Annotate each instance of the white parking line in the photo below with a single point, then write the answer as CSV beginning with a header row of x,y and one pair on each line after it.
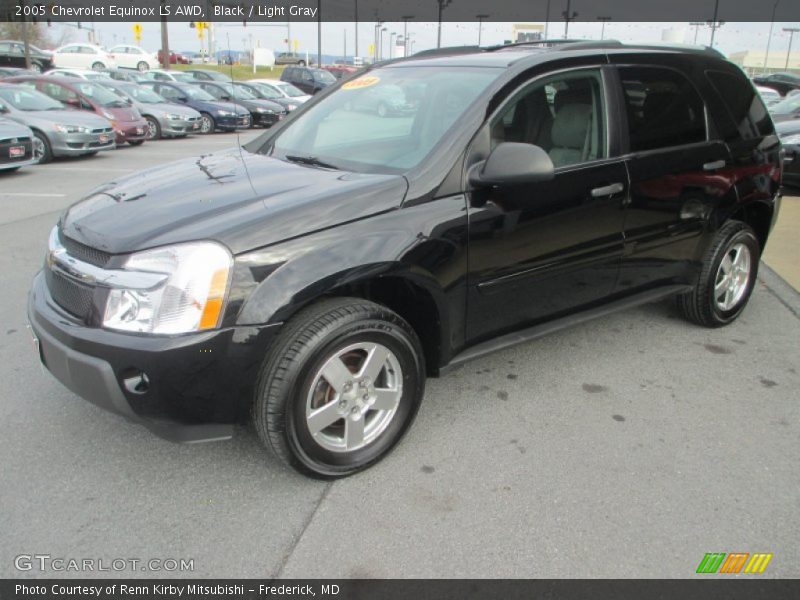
x,y
32,194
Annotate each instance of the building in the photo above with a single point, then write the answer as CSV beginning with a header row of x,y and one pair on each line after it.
x,y
752,61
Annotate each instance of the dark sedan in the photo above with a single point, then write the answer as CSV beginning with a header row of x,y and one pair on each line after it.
x,y
783,83
12,54
214,114
207,75
263,113
265,92
787,109
789,134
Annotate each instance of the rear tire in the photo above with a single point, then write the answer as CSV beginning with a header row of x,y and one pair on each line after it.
x,y
136,142
142,67
340,387
98,66
727,277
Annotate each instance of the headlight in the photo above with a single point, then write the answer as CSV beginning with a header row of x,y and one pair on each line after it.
x,y
793,139
70,128
225,113
108,115
189,299
291,106
264,111
171,116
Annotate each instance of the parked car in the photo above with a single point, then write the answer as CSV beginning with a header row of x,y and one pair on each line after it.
x,y
175,58
86,74
16,144
57,130
124,75
292,58
214,114
340,71
313,278
263,113
384,101
768,95
83,56
134,57
265,92
12,54
164,119
789,133
781,82
6,72
787,109
128,124
207,75
287,90
310,80
161,75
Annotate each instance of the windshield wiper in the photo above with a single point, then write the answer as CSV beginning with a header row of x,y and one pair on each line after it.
x,y
310,160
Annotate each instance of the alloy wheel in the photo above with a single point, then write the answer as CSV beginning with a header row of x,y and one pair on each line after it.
x,y
733,277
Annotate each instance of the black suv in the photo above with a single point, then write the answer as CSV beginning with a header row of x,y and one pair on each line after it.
x,y
308,79
311,280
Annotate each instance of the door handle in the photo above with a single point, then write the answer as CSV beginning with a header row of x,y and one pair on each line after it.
x,y
714,165
607,190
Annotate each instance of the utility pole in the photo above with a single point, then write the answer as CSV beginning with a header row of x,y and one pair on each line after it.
x,y
344,54
356,17
391,45
442,5
319,33
697,27
715,24
25,42
769,37
791,31
164,40
406,19
480,25
603,20
380,41
568,17
547,19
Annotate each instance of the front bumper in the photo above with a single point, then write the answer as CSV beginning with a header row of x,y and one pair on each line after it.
x,y
77,144
198,385
179,126
130,131
265,119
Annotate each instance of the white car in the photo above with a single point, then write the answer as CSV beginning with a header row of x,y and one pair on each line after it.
x,y
768,95
134,57
286,89
87,74
162,75
83,56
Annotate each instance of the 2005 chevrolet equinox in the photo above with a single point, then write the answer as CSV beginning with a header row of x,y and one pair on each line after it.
x,y
311,280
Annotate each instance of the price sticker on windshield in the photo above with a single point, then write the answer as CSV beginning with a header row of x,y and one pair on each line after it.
x,y
361,82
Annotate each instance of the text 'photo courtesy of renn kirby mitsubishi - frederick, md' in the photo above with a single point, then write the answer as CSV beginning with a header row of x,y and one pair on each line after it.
x,y
473,300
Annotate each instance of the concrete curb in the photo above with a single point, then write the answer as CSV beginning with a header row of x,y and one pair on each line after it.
x,y
780,288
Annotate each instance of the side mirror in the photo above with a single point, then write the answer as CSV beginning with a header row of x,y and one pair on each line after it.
x,y
3,108
512,163
225,97
183,99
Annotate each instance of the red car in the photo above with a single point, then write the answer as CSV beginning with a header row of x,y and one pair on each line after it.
x,y
340,71
174,58
129,125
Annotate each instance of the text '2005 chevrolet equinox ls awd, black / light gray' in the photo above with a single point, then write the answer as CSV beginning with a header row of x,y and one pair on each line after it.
x,y
311,280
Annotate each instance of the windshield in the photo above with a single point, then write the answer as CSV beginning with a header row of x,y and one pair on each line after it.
x,y
195,93
267,91
143,94
323,76
100,94
23,99
387,120
290,90
787,105
237,91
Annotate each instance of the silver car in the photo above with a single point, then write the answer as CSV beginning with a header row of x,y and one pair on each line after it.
x,y
16,145
57,131
163,119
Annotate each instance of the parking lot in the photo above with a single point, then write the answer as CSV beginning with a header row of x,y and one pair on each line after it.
x,y
626,447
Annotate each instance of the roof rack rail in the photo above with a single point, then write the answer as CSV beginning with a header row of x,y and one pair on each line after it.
x,y
449,50
533,44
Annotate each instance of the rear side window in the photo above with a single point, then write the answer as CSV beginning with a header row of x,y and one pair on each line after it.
x,y
744,105
664,109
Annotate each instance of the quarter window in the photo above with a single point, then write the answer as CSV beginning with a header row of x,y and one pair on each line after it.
x,y
744,105
664,109
562,114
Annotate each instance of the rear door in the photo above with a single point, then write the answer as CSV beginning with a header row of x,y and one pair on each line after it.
x,y
677,174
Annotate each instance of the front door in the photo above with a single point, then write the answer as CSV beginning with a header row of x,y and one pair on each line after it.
x,y
544,250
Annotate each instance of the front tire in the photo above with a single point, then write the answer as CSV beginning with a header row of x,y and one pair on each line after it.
x,y
98,66
142,67
727,277
207,124
340,387
153,128
136,142
42,151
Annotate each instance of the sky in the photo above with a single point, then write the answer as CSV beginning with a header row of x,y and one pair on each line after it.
x,y
731,37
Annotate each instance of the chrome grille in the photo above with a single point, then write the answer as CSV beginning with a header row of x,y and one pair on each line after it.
x,y
73,297
85,253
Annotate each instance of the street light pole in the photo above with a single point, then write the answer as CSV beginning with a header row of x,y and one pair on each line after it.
x,y
697,27
319,33
568,17
406,19
791,31
356,41
480,25
391,45
715,24
442,5
769,37
603,20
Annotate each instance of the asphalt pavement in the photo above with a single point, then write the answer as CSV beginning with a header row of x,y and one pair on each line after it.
x,y
626,447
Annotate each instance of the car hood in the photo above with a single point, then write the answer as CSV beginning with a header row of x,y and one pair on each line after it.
x,y
45,118
174,109
9,128
238,198
788,127
214,105
124,114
